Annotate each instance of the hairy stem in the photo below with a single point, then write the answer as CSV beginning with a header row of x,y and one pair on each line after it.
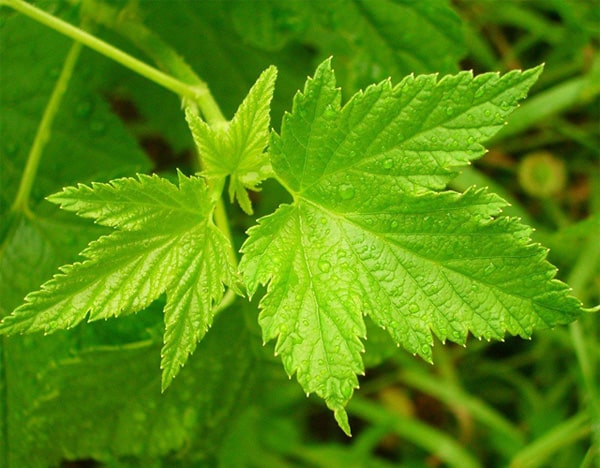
x,y
21,202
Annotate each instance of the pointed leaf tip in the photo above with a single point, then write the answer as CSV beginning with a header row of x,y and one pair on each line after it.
x,y
341,418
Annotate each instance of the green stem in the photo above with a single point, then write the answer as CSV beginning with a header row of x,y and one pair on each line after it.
x,y
434,441
583,270
21,203
453,396
541,450
184,81
125,24
196,93
168,60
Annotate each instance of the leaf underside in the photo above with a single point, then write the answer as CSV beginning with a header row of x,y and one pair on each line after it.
x,y
164,243
372,231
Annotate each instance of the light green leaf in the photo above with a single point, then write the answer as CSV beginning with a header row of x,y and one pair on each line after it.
x,y
165,243
370,231
237,148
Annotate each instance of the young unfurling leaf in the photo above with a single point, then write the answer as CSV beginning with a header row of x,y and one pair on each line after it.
x,y
237,148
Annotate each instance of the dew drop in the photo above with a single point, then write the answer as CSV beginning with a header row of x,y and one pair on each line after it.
x,y
324,265
388,163
346,191
450,111
471,140
394,224
413,308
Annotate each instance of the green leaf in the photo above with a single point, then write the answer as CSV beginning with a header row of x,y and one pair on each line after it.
x,y
237,148
165,243
371,232
370,40
77,396
271,26
374,40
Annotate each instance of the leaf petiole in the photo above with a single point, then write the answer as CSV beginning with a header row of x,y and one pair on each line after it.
x,y
124,22
166,81
42,135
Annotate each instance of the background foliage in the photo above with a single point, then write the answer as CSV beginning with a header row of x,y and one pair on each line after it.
x,y
92,395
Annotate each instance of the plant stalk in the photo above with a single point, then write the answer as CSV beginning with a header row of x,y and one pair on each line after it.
x,y
194,93
21,202
125,24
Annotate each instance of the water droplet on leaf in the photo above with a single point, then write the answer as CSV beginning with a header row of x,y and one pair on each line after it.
x,y
346,191
324,265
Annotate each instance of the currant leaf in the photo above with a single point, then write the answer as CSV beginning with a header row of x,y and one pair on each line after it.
x,y
371,230
164,243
